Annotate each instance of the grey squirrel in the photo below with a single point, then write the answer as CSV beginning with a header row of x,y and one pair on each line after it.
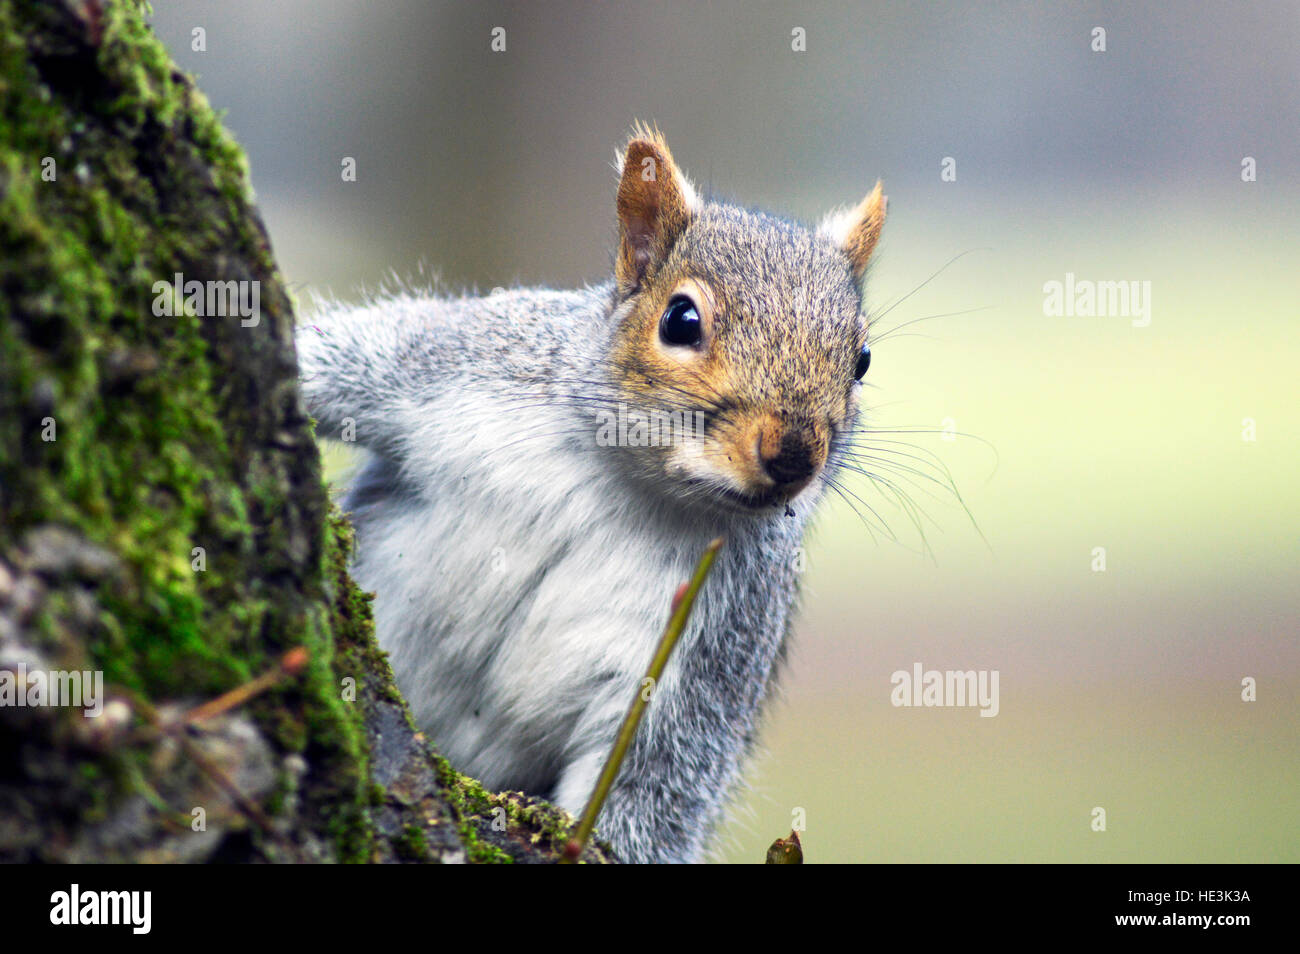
x,y
524,548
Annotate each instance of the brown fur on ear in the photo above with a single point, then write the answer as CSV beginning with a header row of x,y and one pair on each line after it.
x,y
857,230
655,204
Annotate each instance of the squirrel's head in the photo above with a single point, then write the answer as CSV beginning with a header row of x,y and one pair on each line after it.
x,y
740,334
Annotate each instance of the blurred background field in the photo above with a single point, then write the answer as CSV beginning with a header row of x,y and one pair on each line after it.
x,y
1118,689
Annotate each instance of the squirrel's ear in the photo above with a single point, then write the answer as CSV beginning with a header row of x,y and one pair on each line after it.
x,y
655,204
857,230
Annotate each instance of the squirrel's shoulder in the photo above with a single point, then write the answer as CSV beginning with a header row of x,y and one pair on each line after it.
x,y
512,331
499,313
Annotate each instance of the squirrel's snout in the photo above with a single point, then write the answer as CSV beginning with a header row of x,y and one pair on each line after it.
x,y
790,457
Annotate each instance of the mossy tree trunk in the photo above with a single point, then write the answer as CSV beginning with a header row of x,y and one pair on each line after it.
x,y
162,514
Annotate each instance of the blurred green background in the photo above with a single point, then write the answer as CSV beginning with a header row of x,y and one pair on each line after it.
x,y
1118,689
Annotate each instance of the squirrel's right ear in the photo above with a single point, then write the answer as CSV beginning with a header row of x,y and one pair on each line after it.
x,y
655,204
857,230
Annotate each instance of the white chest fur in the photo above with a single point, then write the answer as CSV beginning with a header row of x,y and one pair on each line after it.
x,y
517,589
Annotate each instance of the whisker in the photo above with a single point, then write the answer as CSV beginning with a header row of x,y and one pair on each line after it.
x,y
876,339
941,270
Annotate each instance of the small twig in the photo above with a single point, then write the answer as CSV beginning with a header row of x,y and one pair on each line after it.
x,y
291,663
214,772
683,601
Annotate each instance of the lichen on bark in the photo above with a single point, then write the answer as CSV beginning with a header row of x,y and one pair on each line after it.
x,y
162,513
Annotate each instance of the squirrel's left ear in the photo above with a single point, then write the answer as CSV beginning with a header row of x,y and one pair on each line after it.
x,y
655,204
857,230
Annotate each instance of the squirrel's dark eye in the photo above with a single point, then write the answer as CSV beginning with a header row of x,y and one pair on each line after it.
x,y
864,362
680,324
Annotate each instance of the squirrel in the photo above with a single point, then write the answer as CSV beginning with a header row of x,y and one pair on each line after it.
x,y
523,548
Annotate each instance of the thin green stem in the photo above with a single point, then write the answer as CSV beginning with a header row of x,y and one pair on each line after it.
x,y
681,614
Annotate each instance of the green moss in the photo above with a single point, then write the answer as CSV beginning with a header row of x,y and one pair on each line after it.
x,y
544,826
466,795
480,853
411,844
130,464
149,464
176,433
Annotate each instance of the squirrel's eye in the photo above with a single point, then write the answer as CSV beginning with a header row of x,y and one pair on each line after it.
x,y
680,324
864,362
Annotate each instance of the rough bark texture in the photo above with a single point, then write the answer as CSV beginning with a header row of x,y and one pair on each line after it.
x,y
162,512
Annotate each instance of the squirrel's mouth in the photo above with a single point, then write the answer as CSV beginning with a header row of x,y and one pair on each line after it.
x,y
753,501
747,502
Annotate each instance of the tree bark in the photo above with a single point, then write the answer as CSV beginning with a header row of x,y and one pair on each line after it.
x,y
163,519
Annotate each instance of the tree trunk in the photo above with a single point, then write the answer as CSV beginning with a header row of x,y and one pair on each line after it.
x,y
163,519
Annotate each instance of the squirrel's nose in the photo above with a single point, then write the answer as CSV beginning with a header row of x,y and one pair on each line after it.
x,y
793,462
